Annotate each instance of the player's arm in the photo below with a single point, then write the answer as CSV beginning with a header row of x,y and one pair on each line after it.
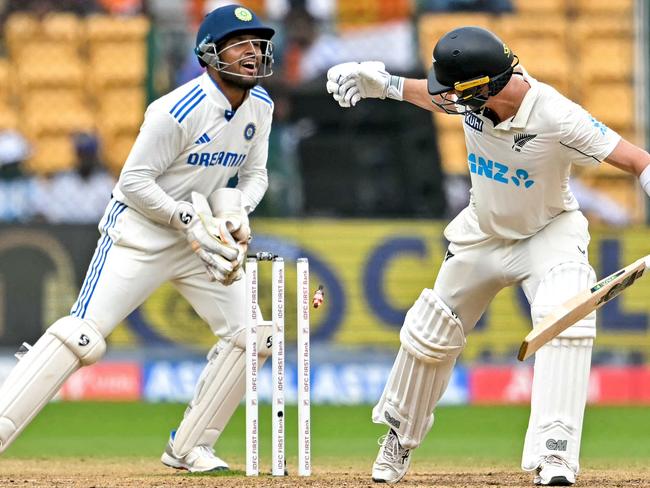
x,y
632,159
415,92
231,206
158,144
252,176
350,82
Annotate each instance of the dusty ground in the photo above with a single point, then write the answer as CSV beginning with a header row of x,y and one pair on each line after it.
x,y
149,473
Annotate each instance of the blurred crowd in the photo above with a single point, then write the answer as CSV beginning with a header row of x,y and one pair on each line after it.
x,y
77,196
312,35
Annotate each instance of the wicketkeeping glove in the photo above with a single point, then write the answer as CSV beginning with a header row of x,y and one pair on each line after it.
x,y
228,209
207,237
350,82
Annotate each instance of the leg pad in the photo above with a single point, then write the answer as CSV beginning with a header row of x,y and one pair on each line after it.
x,y
219,391
66,345
432,338
561,373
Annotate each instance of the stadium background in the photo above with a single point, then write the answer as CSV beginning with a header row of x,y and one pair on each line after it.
x,y
363,193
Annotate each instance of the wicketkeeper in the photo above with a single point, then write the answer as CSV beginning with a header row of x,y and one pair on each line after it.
x,y
159,226
522,227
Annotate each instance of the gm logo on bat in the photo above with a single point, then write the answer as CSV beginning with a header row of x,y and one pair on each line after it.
x,y
618,288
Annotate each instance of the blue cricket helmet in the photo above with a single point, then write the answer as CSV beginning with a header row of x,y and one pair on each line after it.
x,y
225,22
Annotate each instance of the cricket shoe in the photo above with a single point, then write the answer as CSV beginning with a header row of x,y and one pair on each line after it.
x,y
554,471
200,459
393,460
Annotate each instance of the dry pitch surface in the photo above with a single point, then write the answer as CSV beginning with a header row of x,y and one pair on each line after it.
x,y
148,473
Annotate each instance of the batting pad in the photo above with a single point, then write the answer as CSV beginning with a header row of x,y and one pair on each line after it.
x,y
561,283
560,383
219,390
67,345
561,373
432,338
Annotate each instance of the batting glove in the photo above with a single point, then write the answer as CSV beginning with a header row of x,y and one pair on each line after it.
x,y
338,74
350,82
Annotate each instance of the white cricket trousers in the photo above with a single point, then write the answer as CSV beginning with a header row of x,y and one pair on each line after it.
x,y
551,266
469,280
134,256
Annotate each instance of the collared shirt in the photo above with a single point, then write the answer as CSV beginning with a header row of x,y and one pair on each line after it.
x,y
192,140
520,168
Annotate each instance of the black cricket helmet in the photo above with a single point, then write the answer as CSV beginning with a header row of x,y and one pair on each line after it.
x,y
228,21
470,64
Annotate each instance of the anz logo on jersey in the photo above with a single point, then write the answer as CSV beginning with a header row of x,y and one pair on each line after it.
x,y
499,172
221,158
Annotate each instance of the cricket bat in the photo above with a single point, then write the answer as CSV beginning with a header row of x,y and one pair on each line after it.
x,y
581,305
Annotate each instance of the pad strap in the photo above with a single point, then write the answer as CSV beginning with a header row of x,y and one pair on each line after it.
x,y
431,332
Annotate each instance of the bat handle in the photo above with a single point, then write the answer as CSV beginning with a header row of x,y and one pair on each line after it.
x,y
522,351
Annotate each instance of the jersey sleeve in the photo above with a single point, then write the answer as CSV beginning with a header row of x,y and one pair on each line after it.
x,y
158,144
252,176
588,141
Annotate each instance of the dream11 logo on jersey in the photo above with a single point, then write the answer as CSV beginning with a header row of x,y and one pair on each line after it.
x,y
499,172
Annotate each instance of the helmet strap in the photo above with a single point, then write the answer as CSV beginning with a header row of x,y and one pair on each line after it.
x,y
499,82
210,55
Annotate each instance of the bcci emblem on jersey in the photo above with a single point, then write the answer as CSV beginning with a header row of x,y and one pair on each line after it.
x,y
249,131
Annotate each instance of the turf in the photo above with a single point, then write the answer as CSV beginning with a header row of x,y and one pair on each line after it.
x,y
613,436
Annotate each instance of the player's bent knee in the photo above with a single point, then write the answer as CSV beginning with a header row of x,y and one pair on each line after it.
x,y
561,283
431,332
82,337
264,340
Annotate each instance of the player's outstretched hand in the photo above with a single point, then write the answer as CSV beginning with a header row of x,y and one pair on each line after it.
x,y
350,82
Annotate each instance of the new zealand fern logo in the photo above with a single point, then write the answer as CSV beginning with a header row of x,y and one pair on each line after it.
x,y
521,140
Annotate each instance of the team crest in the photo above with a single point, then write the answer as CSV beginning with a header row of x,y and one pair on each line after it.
x,y
249,131
521,140
243,14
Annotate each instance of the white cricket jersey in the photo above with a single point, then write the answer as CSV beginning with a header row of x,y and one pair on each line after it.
x,y
192,140
520,168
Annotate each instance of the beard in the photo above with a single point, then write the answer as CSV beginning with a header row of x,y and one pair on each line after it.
x,y
244,82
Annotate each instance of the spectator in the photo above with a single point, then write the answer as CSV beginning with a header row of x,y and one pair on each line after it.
x,y
42,7
393,43
78,196
15,187
489,6
598,205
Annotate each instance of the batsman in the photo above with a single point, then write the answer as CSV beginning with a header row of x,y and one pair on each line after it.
x,y
522,227
172,218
